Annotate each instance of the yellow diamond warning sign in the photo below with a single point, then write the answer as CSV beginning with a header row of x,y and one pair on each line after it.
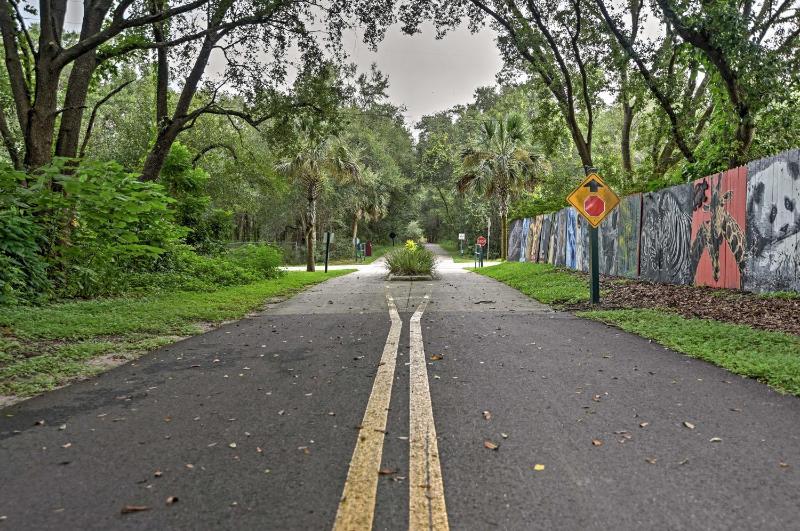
x,y
593,199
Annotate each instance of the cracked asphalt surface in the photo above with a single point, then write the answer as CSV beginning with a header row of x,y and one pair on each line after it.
x,y
253,425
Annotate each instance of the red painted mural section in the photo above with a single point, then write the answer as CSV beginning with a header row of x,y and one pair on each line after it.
x,y
718,229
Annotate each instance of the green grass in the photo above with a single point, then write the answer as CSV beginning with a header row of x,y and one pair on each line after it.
x,y
377,252
47,346
543,282
790,295
770,357
452,249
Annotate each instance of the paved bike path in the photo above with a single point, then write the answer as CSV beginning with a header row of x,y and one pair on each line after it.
x,y
289,387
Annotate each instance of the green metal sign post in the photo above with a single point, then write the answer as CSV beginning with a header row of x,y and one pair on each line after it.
x,y
594,266
593,200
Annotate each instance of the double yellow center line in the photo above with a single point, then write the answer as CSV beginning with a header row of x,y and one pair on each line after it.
x,y
426,489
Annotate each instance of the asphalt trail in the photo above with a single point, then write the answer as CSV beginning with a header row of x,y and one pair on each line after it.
x,y
294,383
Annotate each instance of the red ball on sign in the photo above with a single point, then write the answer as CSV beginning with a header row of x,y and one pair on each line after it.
x,y
594,206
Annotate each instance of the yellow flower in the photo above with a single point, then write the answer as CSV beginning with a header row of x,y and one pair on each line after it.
x,y
410,245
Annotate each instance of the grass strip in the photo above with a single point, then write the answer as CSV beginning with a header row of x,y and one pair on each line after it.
x,y
770,357
543,282
46,346
453,250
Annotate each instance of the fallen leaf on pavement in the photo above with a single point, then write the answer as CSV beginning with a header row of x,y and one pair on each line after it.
x,y
158,473
487,415
66,445
538,467
688,425
386,471
172,499
504,435
783,465
232,445
644,424
190,466
490,445
596,398
650,460
39,423
715,439
134,509
437,357
597,442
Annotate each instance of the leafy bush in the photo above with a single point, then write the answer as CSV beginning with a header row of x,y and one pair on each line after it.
x,y
23,271
96,230
263,259
208,227
412,259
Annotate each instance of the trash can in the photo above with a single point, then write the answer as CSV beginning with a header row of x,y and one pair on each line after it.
x,y
369,249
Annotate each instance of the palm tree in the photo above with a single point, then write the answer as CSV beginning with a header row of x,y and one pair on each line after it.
x,y
316,161
370,202
499,165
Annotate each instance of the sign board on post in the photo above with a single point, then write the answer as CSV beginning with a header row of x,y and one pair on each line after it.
x,y
328,241
462,236
594,200
481,241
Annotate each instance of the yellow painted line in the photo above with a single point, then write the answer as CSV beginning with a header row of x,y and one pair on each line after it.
x,y
426,488
357,505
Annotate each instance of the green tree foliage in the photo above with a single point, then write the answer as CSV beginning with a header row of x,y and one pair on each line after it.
x,y
318,159
499,164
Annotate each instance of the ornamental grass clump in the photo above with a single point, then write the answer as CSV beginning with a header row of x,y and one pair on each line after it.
x,y
411,260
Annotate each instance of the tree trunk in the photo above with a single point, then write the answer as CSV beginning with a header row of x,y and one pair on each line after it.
x,y
42,118
627,121
170,128
504,227
311,230
355,232
10,142
162,69
158,153
80,77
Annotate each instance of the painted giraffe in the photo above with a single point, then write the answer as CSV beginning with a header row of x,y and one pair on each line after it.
x,y
721,228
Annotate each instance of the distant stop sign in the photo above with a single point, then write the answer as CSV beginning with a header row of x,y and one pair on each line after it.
x,y
594,205
481,241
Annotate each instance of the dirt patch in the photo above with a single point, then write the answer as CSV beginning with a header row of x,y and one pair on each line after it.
x,y
9,400
732,306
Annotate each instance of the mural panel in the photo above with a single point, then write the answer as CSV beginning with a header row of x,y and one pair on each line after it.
x,y
667,235
523,244
582,241
718,229
628,232
560,244
514,239
571,241
532,250
773,224
544,239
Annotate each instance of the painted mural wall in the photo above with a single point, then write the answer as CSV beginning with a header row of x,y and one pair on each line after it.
x,y
735,229
772,260
514,240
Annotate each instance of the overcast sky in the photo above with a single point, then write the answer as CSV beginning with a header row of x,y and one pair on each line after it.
x,y
427,75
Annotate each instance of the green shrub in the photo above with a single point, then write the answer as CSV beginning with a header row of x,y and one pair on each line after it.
x,y
23,270
411,259
263,259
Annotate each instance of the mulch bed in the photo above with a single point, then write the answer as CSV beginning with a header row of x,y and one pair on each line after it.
x,y
732,306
